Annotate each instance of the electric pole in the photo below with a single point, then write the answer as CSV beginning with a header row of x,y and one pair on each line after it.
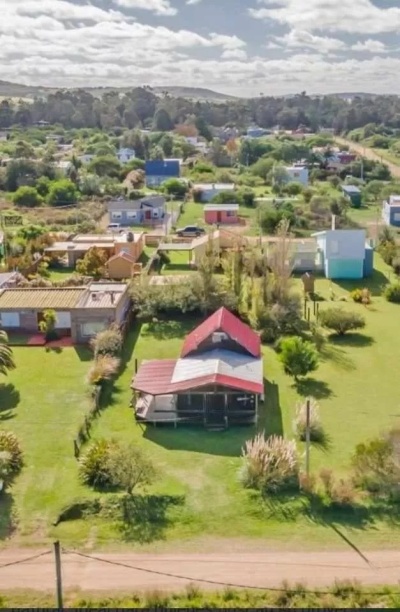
x,y
57,557
308,438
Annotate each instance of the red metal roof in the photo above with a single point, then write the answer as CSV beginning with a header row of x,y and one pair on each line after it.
x,y
155,378
224,321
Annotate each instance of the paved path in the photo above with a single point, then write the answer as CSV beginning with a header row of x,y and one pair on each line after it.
x,y
369,154
267,569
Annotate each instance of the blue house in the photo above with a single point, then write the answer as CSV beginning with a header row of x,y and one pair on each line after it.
x,y
160,170
137,212
345,254
297,174
353,194
391,211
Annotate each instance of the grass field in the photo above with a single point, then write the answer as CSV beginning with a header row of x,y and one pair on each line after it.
x,y
200,503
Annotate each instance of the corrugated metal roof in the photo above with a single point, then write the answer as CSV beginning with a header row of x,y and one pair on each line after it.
x,y
224,321
102,295
154,376
221,207
351,189
224,363
43,297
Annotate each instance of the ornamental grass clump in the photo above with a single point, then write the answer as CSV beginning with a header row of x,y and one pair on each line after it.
x,y
269,464
11,459
103,368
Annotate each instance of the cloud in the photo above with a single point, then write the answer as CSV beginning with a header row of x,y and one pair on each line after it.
x,y
193,2
159,7
370,46
238,54
303,39
352,16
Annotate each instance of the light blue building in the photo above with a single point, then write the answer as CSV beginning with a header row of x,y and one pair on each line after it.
x,y
125,155
345,254
391,211
298,174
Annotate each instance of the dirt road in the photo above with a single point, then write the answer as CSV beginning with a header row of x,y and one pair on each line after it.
x,y
369,154
267,569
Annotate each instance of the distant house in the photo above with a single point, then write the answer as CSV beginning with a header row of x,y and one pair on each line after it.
x,y
256,132
391,211
63,166
221,213
298,174
81,311
217,381
125,155
353,194
137,212
159,171
346,253
86,158
207,191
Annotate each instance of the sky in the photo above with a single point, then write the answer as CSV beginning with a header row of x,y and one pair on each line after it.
x,y
239,47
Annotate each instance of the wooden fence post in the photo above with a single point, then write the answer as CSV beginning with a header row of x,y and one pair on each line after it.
x,y
76,449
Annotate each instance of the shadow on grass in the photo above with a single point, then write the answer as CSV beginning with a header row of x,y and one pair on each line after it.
x,y
172,268
309,387
356,340
7,524
374,283
54,349
272,422
145,518
84,353
338,357
167,330
9,399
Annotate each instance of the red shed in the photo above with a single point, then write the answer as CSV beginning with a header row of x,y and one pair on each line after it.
x,y
221,213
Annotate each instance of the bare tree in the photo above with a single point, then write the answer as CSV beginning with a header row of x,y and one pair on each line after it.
x,y
281,261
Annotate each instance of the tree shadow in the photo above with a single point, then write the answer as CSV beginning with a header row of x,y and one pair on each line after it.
x,y
171,268
356,340
128,346
168,329
53,349
309,387
338,357
145,518
7,519
272,422
374,283
84,353
9,399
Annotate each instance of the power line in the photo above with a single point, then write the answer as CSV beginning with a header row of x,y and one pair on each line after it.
x,y
295,591
26,559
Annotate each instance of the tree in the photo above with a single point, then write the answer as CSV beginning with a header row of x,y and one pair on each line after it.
x,y
299,357
281,261
43,186
27,196
92,264
48,323
62,193
175,187
203,129
341,321
163,121
128,468
105,165
7,362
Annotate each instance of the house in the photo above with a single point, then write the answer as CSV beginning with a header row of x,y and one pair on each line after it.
x,y
256,132
86,158
353,194
9,279
220,240
345,253
125,155
221,213
81,311
160,170
122,265
137,212
391,211
205,192
76,248
63,166
298,174
216,382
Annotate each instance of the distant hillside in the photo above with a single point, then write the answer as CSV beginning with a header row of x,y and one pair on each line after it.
x,y
16,90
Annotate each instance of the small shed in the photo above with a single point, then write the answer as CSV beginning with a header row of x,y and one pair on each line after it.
x,y
221,213
353,193
391,211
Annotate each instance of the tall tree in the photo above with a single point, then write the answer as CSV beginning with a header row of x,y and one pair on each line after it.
x,y
7,362
163,121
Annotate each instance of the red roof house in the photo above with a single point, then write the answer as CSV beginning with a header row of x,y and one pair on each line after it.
x,y
217,381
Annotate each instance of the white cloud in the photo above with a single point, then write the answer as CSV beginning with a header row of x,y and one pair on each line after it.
x,y
57,9
193,1
370,46
160,7
238,54
352,16
303,39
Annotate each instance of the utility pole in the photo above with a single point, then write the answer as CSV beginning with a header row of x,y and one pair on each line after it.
x,y
308,438
57,556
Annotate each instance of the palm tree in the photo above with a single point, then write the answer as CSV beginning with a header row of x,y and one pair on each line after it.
x,y
6,355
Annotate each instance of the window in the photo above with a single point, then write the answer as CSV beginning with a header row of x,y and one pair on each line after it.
x,y
63,320
10,319
230,213
296,174
155,214
396,217
218,337
131,214
116,215
92,328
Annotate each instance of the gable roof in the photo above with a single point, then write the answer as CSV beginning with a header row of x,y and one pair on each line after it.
x,y
122,255
122,204
223,320
162,167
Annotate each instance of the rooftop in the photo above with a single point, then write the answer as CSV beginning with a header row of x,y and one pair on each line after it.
x,y
41,297
351,189
218,186
102,295
221,207
123,204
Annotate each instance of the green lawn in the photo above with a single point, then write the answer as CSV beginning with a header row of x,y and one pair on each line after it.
x,y
200,503
60,274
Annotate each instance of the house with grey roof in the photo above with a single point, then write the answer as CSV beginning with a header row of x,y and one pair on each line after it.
x,y
137,212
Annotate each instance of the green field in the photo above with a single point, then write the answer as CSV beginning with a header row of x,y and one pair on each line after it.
x,y
199,500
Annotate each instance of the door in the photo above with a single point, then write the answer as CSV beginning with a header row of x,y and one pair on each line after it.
x,y
219,216
215,410
147,214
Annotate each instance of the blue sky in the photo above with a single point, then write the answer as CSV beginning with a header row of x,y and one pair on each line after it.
x,y
242,47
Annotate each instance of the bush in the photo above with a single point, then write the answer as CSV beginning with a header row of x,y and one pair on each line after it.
x,y
93,464
103,368
392,293
300,421
377,467
340,493
341,321
396,265
27,196
361,296
11,460
107,342
299,357
269,464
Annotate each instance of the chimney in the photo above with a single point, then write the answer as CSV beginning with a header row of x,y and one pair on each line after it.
x,y
333,222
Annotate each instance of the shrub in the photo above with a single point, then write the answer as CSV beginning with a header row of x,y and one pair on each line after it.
x,y
269,464
299,357
361,296
27,196
128,468
107,342
93,464
341,321
396,265
300,421
392,293
340,493
11,460
103,368
376,465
